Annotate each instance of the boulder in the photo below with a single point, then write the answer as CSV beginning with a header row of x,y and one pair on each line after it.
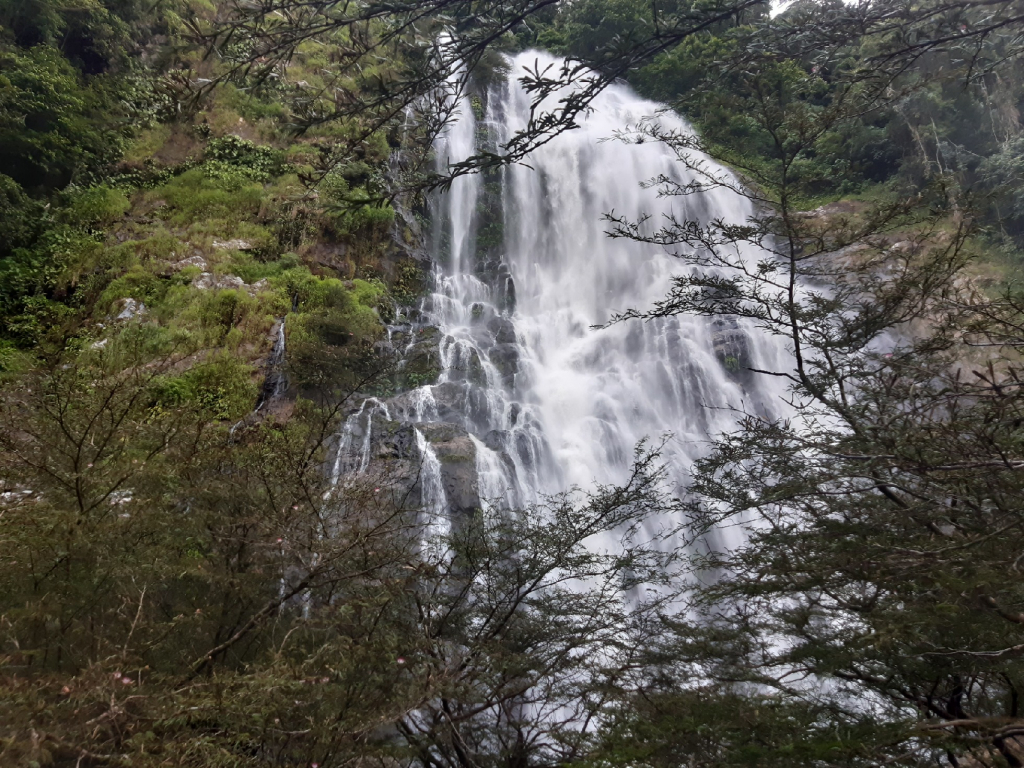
x,y
208,280
395,460
731,346
505,357
192,261
507,293
232,245
457,455
503,329
130,309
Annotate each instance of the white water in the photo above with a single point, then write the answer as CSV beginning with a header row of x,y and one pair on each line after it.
x,y
549,400
275,383
582,398
432,495
353,453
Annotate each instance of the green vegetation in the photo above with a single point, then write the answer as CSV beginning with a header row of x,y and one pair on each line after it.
x,y
867,618
933,123
52,129
181,581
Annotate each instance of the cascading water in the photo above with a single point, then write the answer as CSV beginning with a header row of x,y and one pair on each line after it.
x,y
433,497
525,273
276,382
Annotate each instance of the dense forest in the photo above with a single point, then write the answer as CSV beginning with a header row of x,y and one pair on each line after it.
x,y
214,230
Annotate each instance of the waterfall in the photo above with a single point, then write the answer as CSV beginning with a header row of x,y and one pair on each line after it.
x,y
353,452
580,398
436,525
276,382
525,278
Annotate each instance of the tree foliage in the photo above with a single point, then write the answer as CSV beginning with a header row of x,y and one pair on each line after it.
x,y
868,618
182,582
174,596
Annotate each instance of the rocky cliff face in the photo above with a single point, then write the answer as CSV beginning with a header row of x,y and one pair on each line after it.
x,y
379,441
444,384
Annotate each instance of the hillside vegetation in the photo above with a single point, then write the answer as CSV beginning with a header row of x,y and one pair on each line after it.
x,y
187,186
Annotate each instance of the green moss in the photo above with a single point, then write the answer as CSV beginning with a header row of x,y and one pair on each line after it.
x,y
99,205
223,386
210,317
250,107
357,212
13,360
331,338
247,267
478,107
147,143
196,194
367,292
409,283
257,162
138,283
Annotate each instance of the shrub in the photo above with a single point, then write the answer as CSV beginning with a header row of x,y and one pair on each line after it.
x,y
257,162
223,386
196,194
138,283
249,269
99,205
52,127
21,217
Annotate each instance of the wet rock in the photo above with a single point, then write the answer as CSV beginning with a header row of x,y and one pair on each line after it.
x,y
391,462
507,293
731,346
459,401
130,309
393,440
208,280
503,329
457,455
232,245
429,334
497,440
422,366
475,369
417,405
505,357
450,400
395,461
